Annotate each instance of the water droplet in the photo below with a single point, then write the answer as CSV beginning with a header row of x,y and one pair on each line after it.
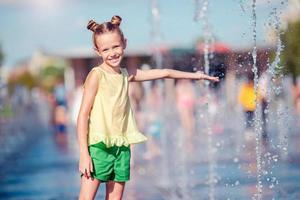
x,y
237,183
284,149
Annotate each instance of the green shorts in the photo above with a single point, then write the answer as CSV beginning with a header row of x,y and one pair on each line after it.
x,y
110,164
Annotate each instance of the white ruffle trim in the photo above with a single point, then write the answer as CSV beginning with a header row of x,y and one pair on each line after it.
x,y
119,140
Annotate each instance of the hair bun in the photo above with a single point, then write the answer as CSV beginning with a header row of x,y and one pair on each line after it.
x,y
116,20
92,25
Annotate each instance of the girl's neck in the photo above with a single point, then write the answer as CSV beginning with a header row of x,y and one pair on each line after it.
x,y
109,69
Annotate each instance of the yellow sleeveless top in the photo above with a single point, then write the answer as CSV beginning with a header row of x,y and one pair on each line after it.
x,y
111,119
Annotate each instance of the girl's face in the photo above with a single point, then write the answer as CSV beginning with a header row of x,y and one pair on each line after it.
x,y
111,48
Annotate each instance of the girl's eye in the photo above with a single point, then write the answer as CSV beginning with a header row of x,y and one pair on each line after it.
x,y
104,50
116,46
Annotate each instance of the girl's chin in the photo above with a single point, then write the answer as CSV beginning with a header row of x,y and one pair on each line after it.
x,y
114,64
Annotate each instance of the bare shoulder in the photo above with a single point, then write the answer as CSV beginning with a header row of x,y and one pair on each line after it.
x,y
92,78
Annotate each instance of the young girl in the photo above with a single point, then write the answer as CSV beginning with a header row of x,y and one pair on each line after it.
x,y
106,126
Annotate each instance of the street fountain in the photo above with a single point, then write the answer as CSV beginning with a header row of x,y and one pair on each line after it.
x,y
257,121
181,176
202,14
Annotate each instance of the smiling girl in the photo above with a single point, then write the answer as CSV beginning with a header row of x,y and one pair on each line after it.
x,y
106,126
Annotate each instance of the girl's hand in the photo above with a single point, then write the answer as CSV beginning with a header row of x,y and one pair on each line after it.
x,y
86,165
207,77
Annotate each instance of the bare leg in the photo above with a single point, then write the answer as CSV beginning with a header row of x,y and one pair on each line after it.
x,y
88,188
114,190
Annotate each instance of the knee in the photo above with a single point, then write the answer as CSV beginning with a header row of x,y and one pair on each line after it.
x,y
113,198
86,196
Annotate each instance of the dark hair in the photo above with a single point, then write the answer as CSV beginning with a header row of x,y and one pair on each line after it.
x,y
98,29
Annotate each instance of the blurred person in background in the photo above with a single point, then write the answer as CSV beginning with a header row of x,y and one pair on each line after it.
x,y
186,101
153,104
263,84
59,93
60,114
246,98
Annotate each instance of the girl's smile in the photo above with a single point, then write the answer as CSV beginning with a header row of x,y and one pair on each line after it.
x,y
111,49
114,60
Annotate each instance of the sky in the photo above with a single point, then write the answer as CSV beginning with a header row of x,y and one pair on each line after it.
x,y
59,26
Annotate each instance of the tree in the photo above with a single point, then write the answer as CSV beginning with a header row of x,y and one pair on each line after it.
x,y
25,79
291,53
50,75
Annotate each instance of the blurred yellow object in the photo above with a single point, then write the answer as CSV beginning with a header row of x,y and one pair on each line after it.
x,y
247,96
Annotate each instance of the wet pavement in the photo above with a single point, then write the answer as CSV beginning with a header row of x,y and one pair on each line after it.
x,y
47,169
43,170
44,165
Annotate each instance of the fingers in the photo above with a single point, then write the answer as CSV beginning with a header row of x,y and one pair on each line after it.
x,y
211,78
91,170
207,77
215,79
86,168
86,172
91,167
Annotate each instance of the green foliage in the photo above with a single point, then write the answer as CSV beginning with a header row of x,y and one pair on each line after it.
x,y
6,111
291,53
50,75
51,71
25,79
46,78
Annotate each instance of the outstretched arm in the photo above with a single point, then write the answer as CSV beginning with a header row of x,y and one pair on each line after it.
x,y
152,74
